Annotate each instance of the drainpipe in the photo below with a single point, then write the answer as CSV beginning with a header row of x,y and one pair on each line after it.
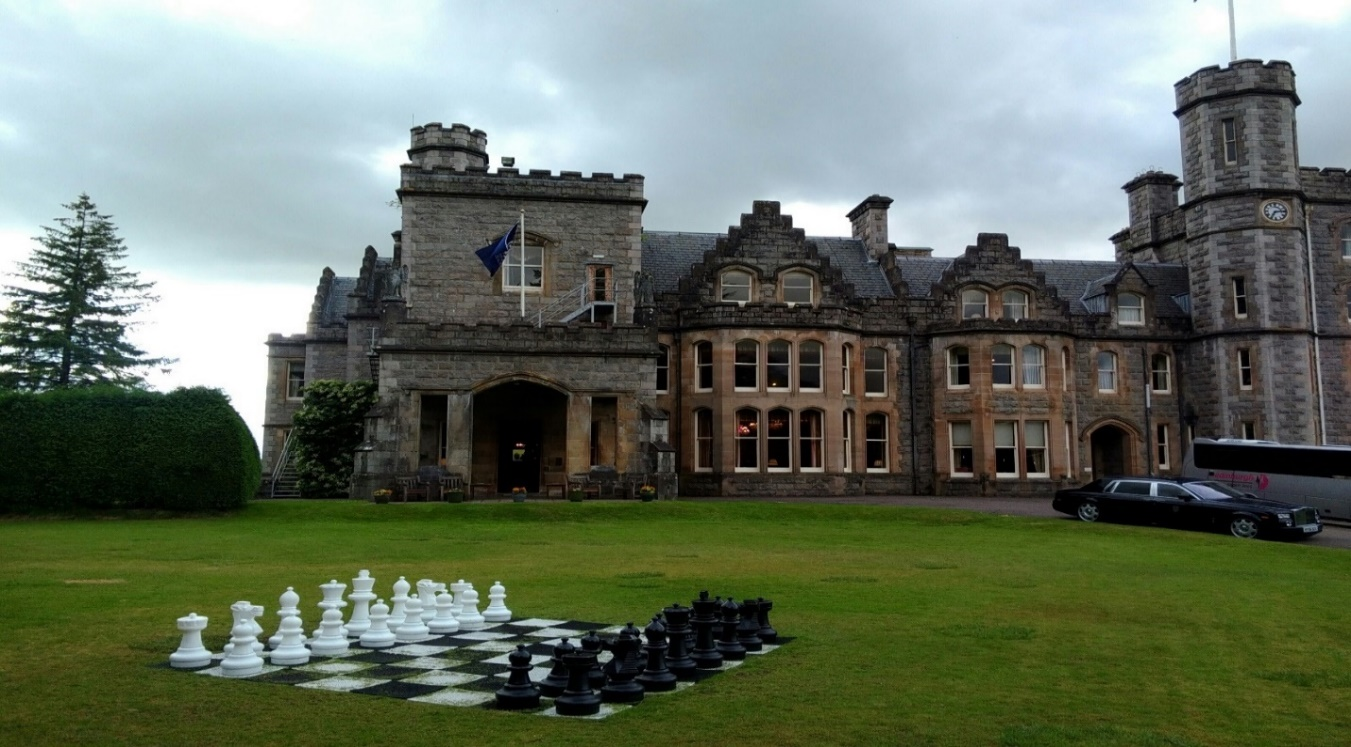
x,y
1313,315
914,447
1149,408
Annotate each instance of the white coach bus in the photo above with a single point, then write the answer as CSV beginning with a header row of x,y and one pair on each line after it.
x,y
1318,476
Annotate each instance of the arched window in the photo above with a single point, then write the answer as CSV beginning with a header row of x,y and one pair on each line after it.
x,y
1106,371
663,368
777,364
975,304
703,366
1130,309
959,367
746,373
1001,365
747,440
847,440
736,286
703,440
779,441
1160,373
846,355
1015,305
1034,366
875,437
796,287
810,441
809,355
1346,241
874,372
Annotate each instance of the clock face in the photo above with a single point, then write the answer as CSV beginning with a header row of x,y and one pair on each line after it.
x,y
1275,211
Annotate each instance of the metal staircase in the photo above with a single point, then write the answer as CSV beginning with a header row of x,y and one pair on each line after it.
x,y
594,305
282,483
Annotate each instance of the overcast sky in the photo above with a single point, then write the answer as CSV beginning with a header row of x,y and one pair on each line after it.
x,y
242,147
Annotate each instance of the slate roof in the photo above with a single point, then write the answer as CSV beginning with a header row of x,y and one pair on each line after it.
x,y
335,305
669,256
920,273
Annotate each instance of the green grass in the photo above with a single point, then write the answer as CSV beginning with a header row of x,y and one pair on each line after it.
x,y
912,626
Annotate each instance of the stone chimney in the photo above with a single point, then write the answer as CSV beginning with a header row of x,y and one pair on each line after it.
x,y
869,221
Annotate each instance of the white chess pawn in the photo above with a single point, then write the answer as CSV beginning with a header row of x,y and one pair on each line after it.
x,y
378,635
469,617
456,591
191,654
290,650
246,612
331,641
242,661
426,591
497,611
361,597
412,629
400,598
444,622
288,606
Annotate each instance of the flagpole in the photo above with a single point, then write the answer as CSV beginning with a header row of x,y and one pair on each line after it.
x,y
523,261
1233,40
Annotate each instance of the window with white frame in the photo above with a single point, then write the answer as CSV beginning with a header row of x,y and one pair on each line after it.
x,y
875,436
746,366
777,364
1130,309
1015,304
703,366
847,380
1240,289
1001,365
531,267
810,441
809,356
1161,446
1229,134
663,368
295,379
1346,241
875,372
1244,368
797,287
1034,448
1005,448
1249,429
735,286
847,440
703,440
1069,448
1034,366
779,440
1161,373
963,453
959,368
975,304
1106,371
747,440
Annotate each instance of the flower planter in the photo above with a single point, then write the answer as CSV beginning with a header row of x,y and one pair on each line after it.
x,y
518,495
381,496
576,496
455,496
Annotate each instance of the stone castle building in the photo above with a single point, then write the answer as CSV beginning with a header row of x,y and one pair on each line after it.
x,y
763,361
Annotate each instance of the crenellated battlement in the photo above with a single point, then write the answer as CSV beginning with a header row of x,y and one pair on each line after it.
x,y
456,147
1276,77
1325,184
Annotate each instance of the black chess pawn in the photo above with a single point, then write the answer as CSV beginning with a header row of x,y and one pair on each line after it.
x,y
767,633
705,652
557,681
656,678
592,644
519,692
728,646
677,652
624,665
748,629
578,699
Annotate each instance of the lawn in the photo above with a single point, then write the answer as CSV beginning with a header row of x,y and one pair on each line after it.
x,y
912,626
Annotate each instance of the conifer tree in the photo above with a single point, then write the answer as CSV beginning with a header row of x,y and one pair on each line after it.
x,y
66,325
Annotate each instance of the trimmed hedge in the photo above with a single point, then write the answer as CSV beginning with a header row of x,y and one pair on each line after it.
x,y
108,448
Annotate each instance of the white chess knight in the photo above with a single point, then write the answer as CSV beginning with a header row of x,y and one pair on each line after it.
x,y
497,611
288,606
290,651
469,618
191,654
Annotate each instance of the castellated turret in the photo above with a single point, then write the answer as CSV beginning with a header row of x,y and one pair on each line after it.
x,y
458,147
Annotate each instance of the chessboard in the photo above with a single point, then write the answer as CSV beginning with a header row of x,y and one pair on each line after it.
x,y
460,669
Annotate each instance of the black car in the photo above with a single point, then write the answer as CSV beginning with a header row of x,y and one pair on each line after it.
x,y
1188,504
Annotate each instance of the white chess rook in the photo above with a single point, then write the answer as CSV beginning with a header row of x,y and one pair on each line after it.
x,y
191,654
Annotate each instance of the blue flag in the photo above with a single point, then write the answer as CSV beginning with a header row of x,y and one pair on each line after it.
x,y
493,254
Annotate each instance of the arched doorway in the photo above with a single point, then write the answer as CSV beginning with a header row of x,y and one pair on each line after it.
x,y
520,435
1110,446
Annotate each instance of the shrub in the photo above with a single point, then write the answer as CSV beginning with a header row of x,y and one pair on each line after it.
x,y
111,448
327,429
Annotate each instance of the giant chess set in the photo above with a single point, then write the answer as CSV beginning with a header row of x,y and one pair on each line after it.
x,y
434,646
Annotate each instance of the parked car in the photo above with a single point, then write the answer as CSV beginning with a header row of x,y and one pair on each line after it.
x,y
1188,504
